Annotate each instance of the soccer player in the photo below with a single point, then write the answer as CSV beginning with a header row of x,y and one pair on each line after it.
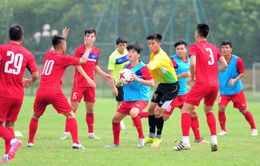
x,y
82,88
116,62
204,78
50,88
14,59
181,63
136,96
163,73
231,89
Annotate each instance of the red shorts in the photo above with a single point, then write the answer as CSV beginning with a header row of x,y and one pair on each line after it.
x,y
88,92
238,100
177,103
198,92
9,109
126,106
57,100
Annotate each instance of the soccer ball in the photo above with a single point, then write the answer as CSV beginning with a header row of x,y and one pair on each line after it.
x,y
126,76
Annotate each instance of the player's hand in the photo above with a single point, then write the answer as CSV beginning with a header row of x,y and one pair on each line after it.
x,y
91,83
26,83
65,32
191,82
231,82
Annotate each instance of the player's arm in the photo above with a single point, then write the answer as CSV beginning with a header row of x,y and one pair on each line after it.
x,y
223,64
84,58
111,65
184,75
241,70
28,82
154,64
192,69
145,82
83,73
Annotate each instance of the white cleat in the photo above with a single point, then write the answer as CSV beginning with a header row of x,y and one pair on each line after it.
x,y
29,145
65,136
112,146
222,133
93,136
254,132
140,143
181,147
77,146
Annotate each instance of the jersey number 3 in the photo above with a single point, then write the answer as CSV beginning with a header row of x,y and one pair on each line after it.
x,y
47,68
211,61
14,65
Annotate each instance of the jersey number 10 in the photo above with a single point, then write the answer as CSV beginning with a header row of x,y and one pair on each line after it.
x,y
47,67
14,65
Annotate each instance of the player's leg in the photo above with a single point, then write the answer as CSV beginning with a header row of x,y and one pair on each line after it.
x,y
119,99
195,125
151,123
118,116
240,103
168,112
223,102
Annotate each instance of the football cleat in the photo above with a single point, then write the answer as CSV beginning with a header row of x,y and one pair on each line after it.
x,y
181,147
77,146
5,159
30,144
254,132
93,136
214,147
140,143
148,140
156,143
201,140
222,133
15,146
112,146
65,136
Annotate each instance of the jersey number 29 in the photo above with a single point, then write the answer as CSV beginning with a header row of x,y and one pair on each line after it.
x,y
14,65
211,61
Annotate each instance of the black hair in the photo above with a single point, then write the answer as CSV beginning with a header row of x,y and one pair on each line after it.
x,y
180,42
226,42
56,40
89,31
16,32
136,46
121,40
203,30
154,36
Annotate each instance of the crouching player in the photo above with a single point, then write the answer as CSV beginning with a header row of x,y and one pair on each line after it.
x,y
136,96
50,88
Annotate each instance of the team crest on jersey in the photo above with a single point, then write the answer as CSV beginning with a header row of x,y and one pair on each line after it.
x,y
92,57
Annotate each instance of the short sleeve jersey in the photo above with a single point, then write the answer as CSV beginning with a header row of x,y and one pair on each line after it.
x,y
207,56
116,62
53,69
161,68
88,67
14,59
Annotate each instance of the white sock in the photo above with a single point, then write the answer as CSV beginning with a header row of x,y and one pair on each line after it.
x,y
214,140
186,140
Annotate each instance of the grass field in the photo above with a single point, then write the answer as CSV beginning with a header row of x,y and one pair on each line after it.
x,y
237,148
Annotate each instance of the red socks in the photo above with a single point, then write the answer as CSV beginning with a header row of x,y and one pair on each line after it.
x,y
32,130
73,128
195,127
143,114
222,120
249,117
138,125
8,136
211,123
116,132
67,126
185,124
90,122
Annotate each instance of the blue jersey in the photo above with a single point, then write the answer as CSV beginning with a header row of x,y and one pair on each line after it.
x,y
135,90
224,77
181,67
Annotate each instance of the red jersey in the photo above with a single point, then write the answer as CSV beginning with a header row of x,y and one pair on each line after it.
x,y
207,56
53,69
14,58
88,67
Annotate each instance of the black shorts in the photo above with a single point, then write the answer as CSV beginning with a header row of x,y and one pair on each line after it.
x,y
120,96
165,94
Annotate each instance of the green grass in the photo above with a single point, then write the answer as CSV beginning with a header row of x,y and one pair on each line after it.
x,y
237,148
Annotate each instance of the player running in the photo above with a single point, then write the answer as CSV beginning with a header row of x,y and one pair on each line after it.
x,y
50,88
117,60
82,88
231,89
181,63
14,59
136,96
162,72
204,78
